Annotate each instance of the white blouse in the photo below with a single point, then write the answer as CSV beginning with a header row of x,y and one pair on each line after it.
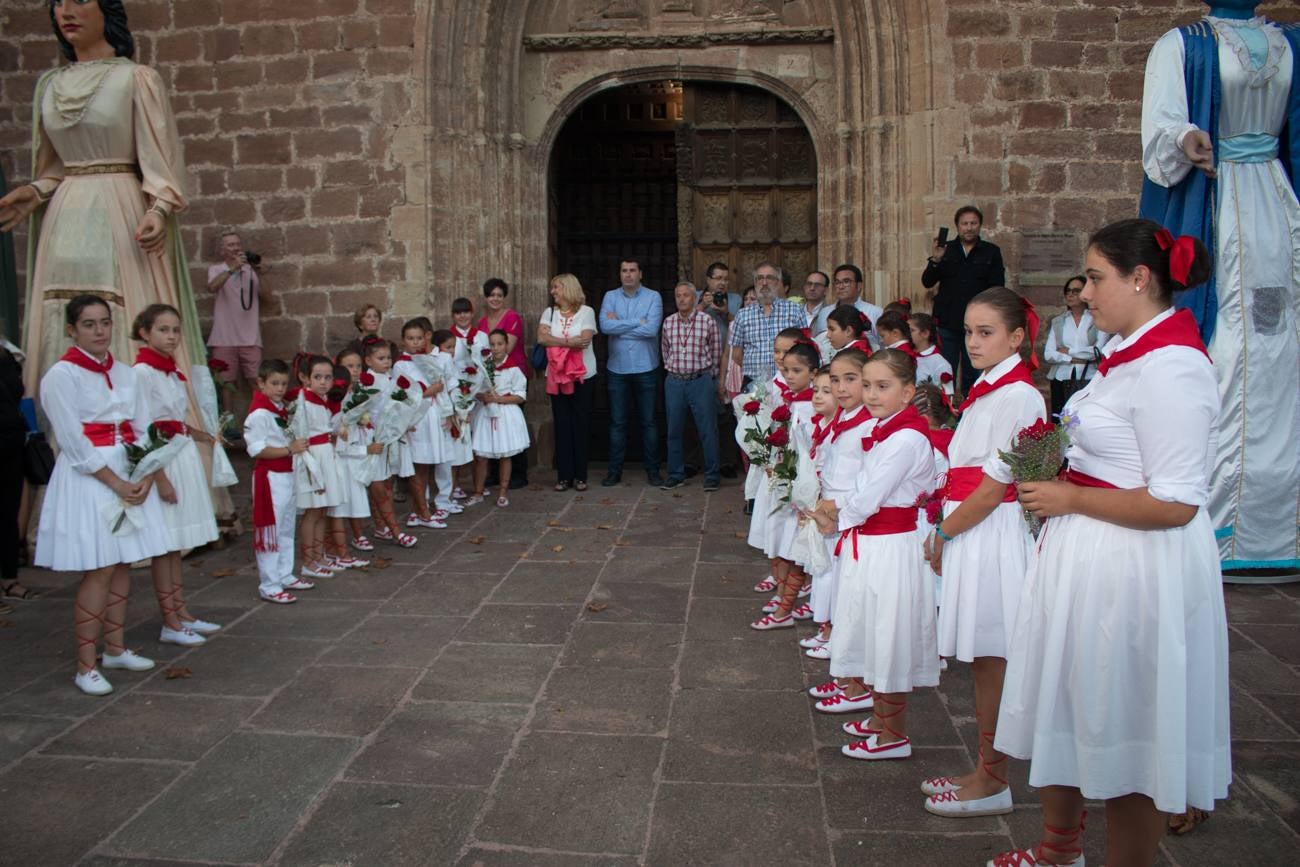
x,y
510,381
72,396
165,396
262,432
993,421
894,473
573,326
844,459
1149,423
931,366
1064,355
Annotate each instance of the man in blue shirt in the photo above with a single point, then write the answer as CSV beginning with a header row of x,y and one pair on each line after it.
x,y
631,316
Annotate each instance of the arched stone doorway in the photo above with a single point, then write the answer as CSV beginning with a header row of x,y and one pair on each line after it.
x,y
677,175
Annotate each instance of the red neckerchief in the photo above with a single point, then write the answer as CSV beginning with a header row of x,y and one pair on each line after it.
x,y
781,387
1178,330
506,364
906,347
841,424
159,362
941,438
405,356
312,397
82,359
1019,373
261,401
906,419
822,431
468,337
860,344
790,397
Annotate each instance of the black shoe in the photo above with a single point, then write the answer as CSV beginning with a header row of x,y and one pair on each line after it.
x,y
654,480
749,507
671,483
711,485
692,471
611,480
728,471
516,484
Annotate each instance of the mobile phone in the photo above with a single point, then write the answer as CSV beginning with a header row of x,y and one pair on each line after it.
x,y
943,235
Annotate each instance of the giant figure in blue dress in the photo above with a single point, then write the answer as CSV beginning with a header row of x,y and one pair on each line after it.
x,y
1221,151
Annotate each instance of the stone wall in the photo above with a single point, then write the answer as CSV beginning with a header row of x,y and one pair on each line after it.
x,y
354,145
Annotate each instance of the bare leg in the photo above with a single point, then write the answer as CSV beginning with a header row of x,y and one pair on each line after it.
x,y
480,474
890,714
787,585
381,503
337,538
119,590
419,485
854,687
503,476
88,617
990,774
165,570
1134,828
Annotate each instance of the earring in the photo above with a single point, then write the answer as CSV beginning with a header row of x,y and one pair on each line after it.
x,y
1137,288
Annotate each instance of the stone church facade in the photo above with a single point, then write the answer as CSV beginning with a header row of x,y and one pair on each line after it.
x,y
401,151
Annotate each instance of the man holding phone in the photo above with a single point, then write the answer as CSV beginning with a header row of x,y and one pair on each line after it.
x,y
963,268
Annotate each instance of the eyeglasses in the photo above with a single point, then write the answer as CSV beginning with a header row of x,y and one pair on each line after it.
x,y
849,282
770,278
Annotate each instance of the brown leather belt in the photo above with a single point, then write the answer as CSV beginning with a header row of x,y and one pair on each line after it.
x,y
104,169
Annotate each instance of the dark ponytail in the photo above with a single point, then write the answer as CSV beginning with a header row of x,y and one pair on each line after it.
x,y
1130,243
851,319
806,350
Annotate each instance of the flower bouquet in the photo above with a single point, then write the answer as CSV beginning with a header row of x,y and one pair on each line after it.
x,y
360,400
809,546
782,461
752,416
395,418
307,476
142,460
1037,455
463,399
492,410
208,398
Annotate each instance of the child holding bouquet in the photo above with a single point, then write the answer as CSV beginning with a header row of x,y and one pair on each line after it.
x,y
826,411
884,614
426,442
316,474
352,445
472,347
982,545
500,431
352,496
183,484
461,390
94,408
390,422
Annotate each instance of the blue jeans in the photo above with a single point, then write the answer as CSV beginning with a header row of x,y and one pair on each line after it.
x,y
700,397
953,349
624,389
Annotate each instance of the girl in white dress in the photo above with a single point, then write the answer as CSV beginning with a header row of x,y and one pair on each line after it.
x,y
456,428
826,411
774,396
1117,683
426,442
378,355
94,408
352,445
472,348
798,365
316,378
844,460
183,483
500,431
982,545
931,366
885,609
349,449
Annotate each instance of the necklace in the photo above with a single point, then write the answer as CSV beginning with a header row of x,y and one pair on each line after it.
x,y
75,86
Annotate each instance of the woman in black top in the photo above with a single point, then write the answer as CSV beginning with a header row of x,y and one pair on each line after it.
x,y
13,434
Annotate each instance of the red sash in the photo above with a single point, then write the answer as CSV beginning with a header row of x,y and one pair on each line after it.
x,y
962,482
108,434
887,521
1019,373
264,535
158,361
319,439
1178,330
172,428
1083,480
85,362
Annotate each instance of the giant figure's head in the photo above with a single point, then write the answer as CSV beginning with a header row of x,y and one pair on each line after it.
x,y
1247,6
116,31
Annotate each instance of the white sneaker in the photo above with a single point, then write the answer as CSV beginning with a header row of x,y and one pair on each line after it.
x,y
202,627
803,612
938,785
821,652
412,520
814,640
128,659
805,591
92,683
860,728
844,704
872,750
433,523
313,572
767,621
454,509
279,598
184,636
947,805
767,585
772,604
943,664
825,690
299,584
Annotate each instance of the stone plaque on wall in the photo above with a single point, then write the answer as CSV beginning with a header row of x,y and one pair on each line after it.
x,y
1049,256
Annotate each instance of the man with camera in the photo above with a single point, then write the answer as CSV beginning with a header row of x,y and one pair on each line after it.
x,y
235,344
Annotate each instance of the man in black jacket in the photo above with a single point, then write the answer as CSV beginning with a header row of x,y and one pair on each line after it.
x,y
963,268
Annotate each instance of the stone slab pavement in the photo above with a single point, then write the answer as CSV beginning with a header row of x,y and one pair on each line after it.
x,y
569,681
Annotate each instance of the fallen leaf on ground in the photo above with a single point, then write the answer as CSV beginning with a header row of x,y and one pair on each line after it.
x,y
557,548
380,641
604,527
597,606
476,540
725,578
740,535
222,573
390,804
579,499
728,510
554,524
380,563
178,673
677,496
622,543
606,501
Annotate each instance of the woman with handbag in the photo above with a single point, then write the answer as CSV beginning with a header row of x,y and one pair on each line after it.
x,y
13,441
1073,344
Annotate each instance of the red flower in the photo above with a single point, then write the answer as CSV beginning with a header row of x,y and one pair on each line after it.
x,y
779,438
485,352
464,389
752,407
945,378
781,414
403,382
1036,431
367,379
216,364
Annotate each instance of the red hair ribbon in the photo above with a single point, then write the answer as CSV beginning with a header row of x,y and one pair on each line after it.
x,y
1031,317
807,333
906,302
1182,252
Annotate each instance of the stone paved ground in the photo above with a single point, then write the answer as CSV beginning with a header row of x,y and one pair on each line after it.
x,y
569,681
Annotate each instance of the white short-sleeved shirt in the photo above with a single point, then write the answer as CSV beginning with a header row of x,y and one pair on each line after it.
x,y
895,473
572,326
72,397
165,396
262,431
844,458
992,422
1150,422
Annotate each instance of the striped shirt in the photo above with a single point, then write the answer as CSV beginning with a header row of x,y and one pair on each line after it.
x,y
690,344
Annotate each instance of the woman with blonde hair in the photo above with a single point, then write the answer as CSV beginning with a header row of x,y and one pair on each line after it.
x,y
566,330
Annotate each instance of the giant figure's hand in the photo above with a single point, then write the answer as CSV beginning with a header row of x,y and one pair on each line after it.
x,y
17,206
1200,150
151,234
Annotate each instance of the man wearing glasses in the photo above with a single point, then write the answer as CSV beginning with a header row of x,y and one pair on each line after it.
x,y
756,326
847,286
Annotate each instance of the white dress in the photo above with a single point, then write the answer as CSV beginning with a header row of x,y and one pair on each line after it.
x,y
472,346
931,366
330,491
460,449
425,443
350,449
984,567
884,611
398,458
783,524
821,598
1117,681
73,534
1255,488
191,519
500,430
842,458
762,494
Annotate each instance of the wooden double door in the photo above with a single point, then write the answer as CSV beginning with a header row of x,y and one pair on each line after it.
x,y
678,175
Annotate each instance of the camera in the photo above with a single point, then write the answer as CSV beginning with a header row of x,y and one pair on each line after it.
x,y
252,258
720,299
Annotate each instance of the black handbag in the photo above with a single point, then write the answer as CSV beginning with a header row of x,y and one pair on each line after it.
x,y
38,459
539,357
